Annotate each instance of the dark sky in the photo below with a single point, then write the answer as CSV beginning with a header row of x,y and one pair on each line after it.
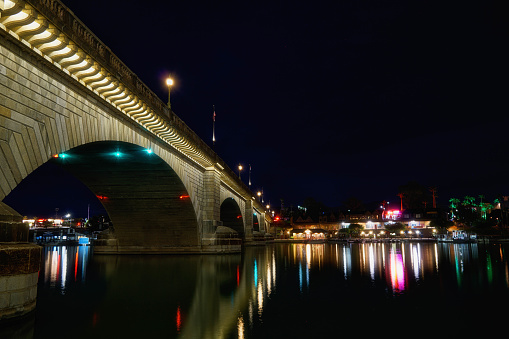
x,y
329,99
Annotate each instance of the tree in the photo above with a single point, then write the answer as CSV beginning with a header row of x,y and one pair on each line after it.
x,y
99,223
413,195
314,208
453,205
484,226
354,205
396,227
441,224
355,229
471,213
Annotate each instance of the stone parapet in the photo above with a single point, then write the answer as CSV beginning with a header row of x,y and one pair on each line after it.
x,y
19,272
19,266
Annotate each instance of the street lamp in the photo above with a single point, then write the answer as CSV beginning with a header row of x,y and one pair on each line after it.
x,y
169,83
240,169
259,194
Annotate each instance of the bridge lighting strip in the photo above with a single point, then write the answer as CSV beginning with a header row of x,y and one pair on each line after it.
x,y
24,23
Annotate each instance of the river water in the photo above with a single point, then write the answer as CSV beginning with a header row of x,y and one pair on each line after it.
x,y
274,291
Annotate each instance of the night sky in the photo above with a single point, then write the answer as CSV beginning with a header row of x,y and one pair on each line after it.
x,y
329,99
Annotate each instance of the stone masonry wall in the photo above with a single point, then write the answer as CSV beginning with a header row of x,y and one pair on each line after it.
x,y
43,113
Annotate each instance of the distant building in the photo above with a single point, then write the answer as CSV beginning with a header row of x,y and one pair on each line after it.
x,y
328,225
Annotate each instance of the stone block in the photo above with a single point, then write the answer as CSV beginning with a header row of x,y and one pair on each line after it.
x,y
3,283
4,300
19,298
17,282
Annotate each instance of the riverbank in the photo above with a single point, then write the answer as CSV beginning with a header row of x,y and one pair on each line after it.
x,y
389,240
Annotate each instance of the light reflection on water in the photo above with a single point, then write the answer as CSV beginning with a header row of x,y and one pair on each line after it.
x,y
280,289
62,263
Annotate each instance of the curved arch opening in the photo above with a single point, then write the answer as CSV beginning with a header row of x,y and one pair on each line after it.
x,y
256,224
145,199
231,216
50,192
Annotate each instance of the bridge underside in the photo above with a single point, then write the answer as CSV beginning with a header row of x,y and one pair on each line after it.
x,y
148,204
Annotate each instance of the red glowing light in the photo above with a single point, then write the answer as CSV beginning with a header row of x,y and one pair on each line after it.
x,y
101,197
178,319
55,156
184,196
393,214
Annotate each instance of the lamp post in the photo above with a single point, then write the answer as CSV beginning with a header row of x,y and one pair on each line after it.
x,y
240,169
169,83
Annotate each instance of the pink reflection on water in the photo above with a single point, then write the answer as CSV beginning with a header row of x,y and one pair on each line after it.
x,y
396,270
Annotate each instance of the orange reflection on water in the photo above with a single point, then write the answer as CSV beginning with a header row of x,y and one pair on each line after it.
x,y
178,319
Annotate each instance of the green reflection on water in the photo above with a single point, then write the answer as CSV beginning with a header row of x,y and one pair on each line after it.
x,y
278,289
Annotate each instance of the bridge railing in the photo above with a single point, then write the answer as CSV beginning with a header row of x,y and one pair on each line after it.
x,y
65,20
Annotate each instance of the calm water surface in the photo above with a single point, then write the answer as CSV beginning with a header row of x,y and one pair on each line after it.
x,y
278,290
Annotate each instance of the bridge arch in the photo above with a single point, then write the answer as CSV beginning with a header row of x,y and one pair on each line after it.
x,y
52,115
146,201
231,216
50,104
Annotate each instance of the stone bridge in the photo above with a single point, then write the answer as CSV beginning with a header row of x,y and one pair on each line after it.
x,y
66,98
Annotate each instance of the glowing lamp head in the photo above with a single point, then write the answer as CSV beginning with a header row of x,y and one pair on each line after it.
x,y
169,82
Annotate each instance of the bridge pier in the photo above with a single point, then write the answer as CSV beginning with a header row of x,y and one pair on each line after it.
x,y
214,236
19,266
249,236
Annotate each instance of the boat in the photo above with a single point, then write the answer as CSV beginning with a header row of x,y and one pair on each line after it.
x,y
84,241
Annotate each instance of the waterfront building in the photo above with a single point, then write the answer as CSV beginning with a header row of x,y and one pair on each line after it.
x,y
417,223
